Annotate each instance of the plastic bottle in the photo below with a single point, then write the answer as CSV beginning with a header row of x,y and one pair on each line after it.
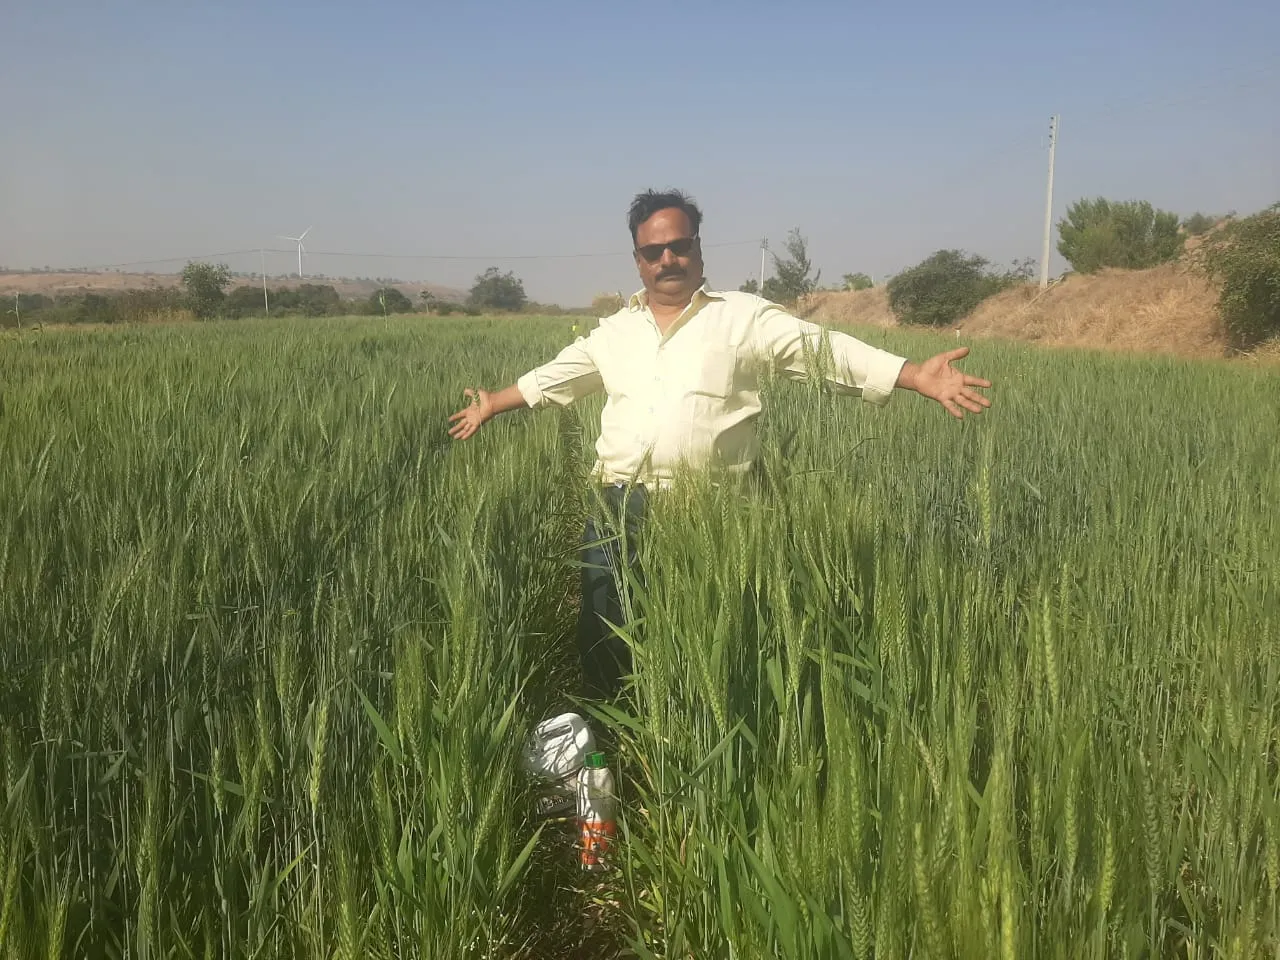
x,y
597,813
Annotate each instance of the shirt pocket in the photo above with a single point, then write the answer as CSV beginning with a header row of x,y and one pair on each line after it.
x,y
714,372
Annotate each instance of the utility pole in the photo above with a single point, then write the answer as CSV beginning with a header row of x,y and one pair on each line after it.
x,y
1048,205
764,248
266,307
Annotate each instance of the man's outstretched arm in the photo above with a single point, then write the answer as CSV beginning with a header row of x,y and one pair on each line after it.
x,y
570,375
483,407
860,368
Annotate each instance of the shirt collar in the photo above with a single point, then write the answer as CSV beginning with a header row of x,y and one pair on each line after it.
x,y
640,299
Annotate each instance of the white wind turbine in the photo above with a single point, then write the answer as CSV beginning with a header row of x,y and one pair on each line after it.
x,y
298,241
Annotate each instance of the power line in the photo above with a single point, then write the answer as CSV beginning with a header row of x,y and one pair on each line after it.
x,y
1199,94
393,256
514,256
1018,146
144,263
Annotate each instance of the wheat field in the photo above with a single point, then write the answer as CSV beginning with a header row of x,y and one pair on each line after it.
x,y
270,644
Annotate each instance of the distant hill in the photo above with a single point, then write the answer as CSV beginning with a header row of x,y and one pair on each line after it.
x,y
62,283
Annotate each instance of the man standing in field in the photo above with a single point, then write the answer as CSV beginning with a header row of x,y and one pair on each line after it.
x,y
681,364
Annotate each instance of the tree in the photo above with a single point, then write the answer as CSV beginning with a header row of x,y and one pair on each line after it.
x,y
1023,270
857,281
389,300
750,286
204,283
943,288
497,291
1199,223
791,280
318,299
1132,235
1245,257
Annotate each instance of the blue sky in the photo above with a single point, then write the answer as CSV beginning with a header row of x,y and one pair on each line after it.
x,y
141,130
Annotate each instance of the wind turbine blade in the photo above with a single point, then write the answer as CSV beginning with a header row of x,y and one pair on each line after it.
x,y
304,233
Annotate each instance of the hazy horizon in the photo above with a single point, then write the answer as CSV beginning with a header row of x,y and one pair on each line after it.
x,y
515,137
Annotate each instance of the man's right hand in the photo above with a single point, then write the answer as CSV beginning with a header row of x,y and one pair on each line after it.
x,y
474,415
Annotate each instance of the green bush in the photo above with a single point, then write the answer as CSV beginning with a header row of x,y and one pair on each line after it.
x,y
319,299
856,281
943,288
1132,235
24,308
141,305
447,308
1245,257
32,303
245,301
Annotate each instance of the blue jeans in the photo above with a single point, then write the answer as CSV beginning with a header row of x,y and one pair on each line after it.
x,y
605,657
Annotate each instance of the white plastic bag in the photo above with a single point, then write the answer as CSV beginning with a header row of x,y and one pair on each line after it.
x,y
554,755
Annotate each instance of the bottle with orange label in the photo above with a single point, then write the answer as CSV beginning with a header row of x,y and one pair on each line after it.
x,y
597,813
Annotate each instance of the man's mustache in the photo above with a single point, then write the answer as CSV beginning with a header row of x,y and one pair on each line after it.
x,y
671,272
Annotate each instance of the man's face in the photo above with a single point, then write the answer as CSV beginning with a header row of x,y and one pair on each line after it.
x,y
672,276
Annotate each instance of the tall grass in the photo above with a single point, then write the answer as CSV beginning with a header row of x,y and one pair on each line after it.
x,y
268,642
271,643
1006,688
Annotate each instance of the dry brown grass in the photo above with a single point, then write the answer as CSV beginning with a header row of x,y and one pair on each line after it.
x,y
1167,309
177,315
1266,354
53,284
849,308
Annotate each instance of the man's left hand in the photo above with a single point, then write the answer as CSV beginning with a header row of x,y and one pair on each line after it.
x,y
938,380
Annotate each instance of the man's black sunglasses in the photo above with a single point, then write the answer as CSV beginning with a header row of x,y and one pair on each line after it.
x,y
652,252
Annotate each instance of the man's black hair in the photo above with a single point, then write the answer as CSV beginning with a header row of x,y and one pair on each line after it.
x,y
646,204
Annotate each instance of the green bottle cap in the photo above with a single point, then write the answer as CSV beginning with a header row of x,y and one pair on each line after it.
x,y
595,760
